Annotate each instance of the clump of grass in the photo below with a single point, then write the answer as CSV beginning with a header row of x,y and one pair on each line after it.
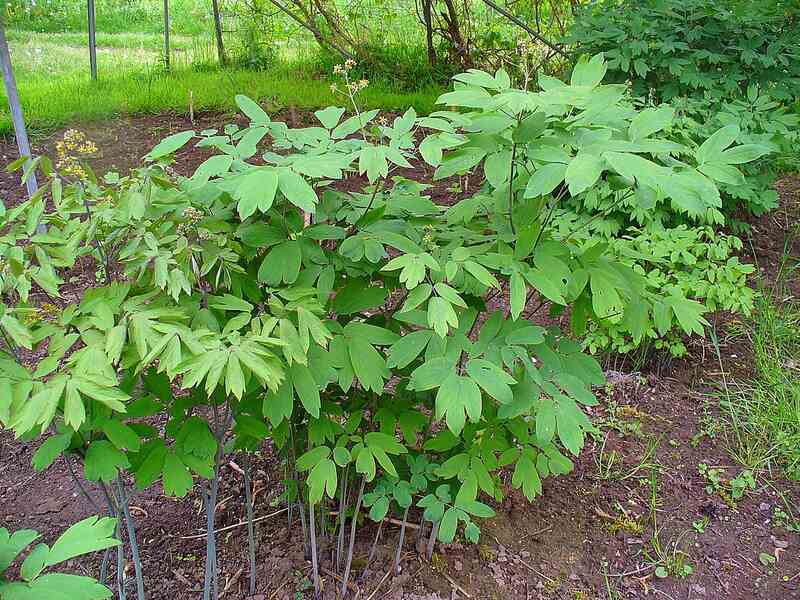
x,y
765,412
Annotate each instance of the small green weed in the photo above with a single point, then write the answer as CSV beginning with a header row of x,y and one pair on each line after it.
x,y
730,490
668,558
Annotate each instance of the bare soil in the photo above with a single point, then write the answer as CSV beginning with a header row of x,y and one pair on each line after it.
x,y
634,502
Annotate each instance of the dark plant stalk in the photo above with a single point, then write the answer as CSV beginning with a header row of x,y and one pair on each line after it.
x,y
131,527
314,565
251,535
400,541
353,525
211,581
78,483
421,536
372,549
342,518
511,188
104,566
306,546
112,511
432,541
300,506
289,503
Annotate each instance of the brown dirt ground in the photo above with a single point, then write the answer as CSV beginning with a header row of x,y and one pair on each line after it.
x,y
590,536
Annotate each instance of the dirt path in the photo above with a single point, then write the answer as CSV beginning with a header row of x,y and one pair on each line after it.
x,y
635,505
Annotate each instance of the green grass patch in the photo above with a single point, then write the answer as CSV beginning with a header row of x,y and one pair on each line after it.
x,y
49,105
52,72
111,16
765,412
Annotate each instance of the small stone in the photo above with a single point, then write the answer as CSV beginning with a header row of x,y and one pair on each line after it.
x,y
458,566
764,507
699,589
782,544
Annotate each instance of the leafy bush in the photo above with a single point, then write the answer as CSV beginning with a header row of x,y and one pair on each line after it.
x,y
761,120
671,48
694,262
367,335
86,536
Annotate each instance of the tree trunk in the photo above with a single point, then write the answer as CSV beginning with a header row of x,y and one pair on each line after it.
x,y
218,31
427,15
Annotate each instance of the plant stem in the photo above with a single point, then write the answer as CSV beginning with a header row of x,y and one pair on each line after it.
x,y
511,189
420,544
212,571
342,517
314,565
400,542
78,483
306,546
131,527
432,541
120,550
251,535
372,549
353,525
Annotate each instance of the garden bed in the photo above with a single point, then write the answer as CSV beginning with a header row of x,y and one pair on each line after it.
x,y
584,538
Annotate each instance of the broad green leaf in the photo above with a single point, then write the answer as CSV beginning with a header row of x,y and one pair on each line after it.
x,y
170,144
458,398
297,190
306,388
11,545
545,179
281,264
256,191
743,154
589,72
252,110
177,480
50,450
329,117
358,296
407,348
582,172
650,121
711,149
369,365
88,535
546,420
103,461
430,374
492,379
122,436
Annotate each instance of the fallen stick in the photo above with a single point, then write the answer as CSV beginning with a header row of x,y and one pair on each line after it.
x,y
380,584
456,586
240,524
398,522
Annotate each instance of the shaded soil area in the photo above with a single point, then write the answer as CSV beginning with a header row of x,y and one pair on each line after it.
x,y
636,519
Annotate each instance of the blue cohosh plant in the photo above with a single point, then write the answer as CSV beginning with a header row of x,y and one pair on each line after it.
x,y
359,331
33,583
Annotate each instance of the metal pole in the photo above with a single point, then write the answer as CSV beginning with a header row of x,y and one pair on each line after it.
x,y
166,34
16,108
92,40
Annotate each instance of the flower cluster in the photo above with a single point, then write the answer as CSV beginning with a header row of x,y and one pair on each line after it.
x,y
351,87
71,148
193,216
345,68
